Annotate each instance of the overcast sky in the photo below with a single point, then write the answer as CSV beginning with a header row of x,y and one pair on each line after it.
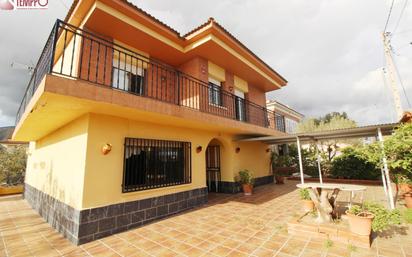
x,y
330,51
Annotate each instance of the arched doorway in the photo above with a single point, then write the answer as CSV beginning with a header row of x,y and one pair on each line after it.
x,y
213,166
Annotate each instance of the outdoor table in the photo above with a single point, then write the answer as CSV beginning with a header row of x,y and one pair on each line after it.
x,y
325,204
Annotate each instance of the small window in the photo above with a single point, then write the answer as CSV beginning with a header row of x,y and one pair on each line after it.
x,y
150,163
215,92
280,122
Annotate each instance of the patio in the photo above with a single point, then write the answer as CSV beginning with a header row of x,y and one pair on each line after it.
x,y
229,225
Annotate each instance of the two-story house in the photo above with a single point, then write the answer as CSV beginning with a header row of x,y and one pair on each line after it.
x,y
130,121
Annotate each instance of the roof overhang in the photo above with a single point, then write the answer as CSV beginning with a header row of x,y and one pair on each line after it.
x,y
119,18
357,132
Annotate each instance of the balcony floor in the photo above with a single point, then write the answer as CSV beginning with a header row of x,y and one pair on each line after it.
x,y
229,225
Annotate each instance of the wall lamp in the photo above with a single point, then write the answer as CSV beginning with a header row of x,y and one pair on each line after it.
x,y
198,149
106,148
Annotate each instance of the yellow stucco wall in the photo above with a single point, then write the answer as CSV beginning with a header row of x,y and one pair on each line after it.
x,y
254,157
56,163
104,173
68,163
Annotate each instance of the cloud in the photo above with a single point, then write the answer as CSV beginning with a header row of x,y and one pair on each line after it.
x,y
329,50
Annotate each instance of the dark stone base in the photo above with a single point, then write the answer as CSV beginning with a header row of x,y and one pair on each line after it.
x,y
234,187
91,224
62,217
264,180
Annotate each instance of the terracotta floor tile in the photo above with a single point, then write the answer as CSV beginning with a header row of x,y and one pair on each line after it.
x,y
231,225
194,252
263,252
310,253
220,251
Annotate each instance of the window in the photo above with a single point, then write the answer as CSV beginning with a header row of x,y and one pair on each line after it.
x,y
128,77
215,92
240,105
290,125
150,163
280,122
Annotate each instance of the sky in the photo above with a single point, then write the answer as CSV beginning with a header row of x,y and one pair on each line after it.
x,y
330,51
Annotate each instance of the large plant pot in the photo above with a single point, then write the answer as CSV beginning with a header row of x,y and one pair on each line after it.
x,y
308,205
247,189
408,200
405,188
11,190
360,224
280,179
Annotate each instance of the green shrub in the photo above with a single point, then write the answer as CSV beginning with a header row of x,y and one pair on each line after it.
x,y
245,177
351,165
304,194
12,165
407,216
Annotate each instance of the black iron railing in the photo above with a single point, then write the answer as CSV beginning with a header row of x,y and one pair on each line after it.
x,y
150,163
77,53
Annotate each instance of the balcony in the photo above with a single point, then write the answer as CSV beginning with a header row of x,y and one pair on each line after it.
x,y
77,54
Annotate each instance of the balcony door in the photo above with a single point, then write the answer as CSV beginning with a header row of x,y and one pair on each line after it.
x,y
240,105
128,77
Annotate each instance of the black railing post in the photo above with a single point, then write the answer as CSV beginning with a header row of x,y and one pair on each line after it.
x,y
54,42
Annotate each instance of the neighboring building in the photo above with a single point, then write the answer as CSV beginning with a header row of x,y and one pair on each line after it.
x,y
129,121
6,134
406,117
286,118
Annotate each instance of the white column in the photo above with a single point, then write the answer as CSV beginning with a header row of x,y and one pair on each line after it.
x,y
319,168
385,188
302,180
385,168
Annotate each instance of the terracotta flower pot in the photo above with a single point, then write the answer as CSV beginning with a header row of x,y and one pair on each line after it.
x,y
247,189
405,188
280,179
308,205
408,200
360,224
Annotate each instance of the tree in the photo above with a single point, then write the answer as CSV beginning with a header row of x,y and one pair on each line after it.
x,y
398,152
12,165
327,148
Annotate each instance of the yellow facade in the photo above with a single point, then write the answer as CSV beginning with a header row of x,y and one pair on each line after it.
x,y
68,163
56,163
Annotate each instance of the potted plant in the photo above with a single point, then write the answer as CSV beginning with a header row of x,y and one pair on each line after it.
x,y
408,199
246,179
308,204
280,163
403,183
371,216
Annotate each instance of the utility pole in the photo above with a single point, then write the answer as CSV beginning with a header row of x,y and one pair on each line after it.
x,y
392,74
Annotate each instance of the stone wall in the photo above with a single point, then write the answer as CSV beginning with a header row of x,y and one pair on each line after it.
x,y
91,224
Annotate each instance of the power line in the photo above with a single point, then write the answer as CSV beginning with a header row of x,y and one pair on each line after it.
x,y
389,16
400,16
